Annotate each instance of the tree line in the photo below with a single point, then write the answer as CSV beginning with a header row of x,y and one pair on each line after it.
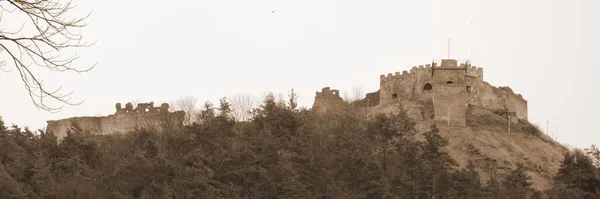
x,y
282,151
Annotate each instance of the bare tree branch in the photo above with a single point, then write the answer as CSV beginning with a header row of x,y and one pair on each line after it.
x,y
594,153
242,104
357,94
40,41
188,105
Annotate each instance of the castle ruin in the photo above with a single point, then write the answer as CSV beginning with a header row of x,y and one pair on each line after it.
x,y
126,119
441,93
327,100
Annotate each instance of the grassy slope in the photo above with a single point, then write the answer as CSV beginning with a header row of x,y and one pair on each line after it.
x,y
496,152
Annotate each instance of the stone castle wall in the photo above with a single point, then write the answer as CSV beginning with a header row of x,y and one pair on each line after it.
x,y
449,94
498,99
124,120
328,99
518,104
415,88
405,85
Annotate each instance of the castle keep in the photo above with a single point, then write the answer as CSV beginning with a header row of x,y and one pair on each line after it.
x,y
126,119
442,92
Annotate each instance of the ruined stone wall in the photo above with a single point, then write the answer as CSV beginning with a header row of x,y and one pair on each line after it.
x,y
517,104
123,121
498,99
513,102
428,84
370,100
328,100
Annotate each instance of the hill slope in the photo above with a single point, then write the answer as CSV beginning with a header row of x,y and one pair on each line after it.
x,y
495,153
486,142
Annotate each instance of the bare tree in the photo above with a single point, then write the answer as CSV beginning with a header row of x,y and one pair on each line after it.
x,y
40,41
356,94
346,96
188,105
594,153
242,104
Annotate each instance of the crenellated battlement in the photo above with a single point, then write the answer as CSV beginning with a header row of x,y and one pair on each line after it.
x,y
328,91
445,84
141,108
474,71
144,115
404,74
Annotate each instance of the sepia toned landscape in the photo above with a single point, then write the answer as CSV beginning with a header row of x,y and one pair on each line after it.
x,y
213,122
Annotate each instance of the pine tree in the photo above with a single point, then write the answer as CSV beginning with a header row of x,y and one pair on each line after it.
x,y
578,175
42,180
9,187
437,165
493,189
466,183
518,183
207,115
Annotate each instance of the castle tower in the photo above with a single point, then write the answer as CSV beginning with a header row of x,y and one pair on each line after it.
x,y
327,100
449,93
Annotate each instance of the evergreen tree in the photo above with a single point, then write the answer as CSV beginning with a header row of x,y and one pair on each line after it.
x,y
42,181
437,166
493,189
577,175
283,152
207,115
466,183
517,183
9,187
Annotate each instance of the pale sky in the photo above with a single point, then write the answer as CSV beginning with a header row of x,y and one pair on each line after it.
x,y
159,51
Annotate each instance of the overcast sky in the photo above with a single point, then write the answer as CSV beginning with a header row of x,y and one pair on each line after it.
x,y
159,51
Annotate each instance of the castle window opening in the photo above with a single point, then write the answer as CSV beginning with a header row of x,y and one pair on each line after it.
x,y
449,82
427,87
394,96
468,89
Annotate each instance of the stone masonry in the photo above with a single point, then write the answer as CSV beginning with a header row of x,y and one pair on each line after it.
x,y
327,100
449,87
126,119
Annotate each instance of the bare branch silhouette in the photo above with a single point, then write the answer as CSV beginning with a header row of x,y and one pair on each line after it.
x,y
44,34
357,93
242,104
188,105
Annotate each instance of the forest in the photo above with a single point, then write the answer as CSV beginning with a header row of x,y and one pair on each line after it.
x,y
281,151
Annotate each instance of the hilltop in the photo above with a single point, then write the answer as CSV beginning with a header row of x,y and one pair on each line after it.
x,y
484,124
435,125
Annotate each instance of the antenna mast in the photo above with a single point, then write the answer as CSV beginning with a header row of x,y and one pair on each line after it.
x,y
556,130
471,47
547,130
448,47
